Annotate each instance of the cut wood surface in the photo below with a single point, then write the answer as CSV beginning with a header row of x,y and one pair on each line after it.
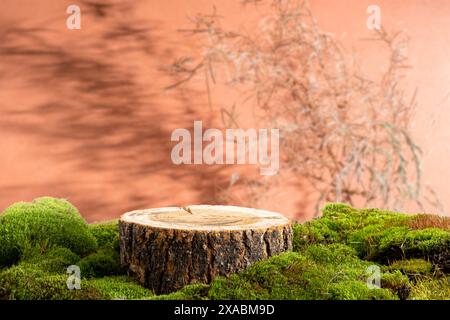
x,y
168,248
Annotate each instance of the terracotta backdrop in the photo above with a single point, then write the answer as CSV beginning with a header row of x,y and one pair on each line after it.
x,y
84,117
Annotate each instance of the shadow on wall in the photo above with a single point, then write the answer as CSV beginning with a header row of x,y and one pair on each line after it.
x,y
99,116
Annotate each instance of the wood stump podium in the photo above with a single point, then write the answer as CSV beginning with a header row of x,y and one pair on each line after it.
x,y
168,248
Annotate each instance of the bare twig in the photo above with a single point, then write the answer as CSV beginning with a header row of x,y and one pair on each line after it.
x,y
347,135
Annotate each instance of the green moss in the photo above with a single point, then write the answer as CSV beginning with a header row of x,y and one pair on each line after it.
x,y
119,287
397,283
313,233
411,267
29,283
400,242
26,282
334,254
339,222
30,228
356,290
237,288
331,258
431,289
432,244
55,260
319,272
345,219
379,235
106,233
376,243
275,278
105,262
190,292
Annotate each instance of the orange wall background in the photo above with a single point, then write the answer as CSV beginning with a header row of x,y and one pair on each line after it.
x,y
84,115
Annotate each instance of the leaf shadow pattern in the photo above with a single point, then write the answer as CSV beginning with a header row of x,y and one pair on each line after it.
x,y
101,114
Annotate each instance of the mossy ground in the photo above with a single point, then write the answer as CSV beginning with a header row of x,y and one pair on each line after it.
x,y
332,258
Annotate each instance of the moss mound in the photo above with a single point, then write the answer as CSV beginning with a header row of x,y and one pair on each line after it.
x,y
379,235
320,272
106,233
118,287
55,260
412,267
27,283
104,262
27,228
